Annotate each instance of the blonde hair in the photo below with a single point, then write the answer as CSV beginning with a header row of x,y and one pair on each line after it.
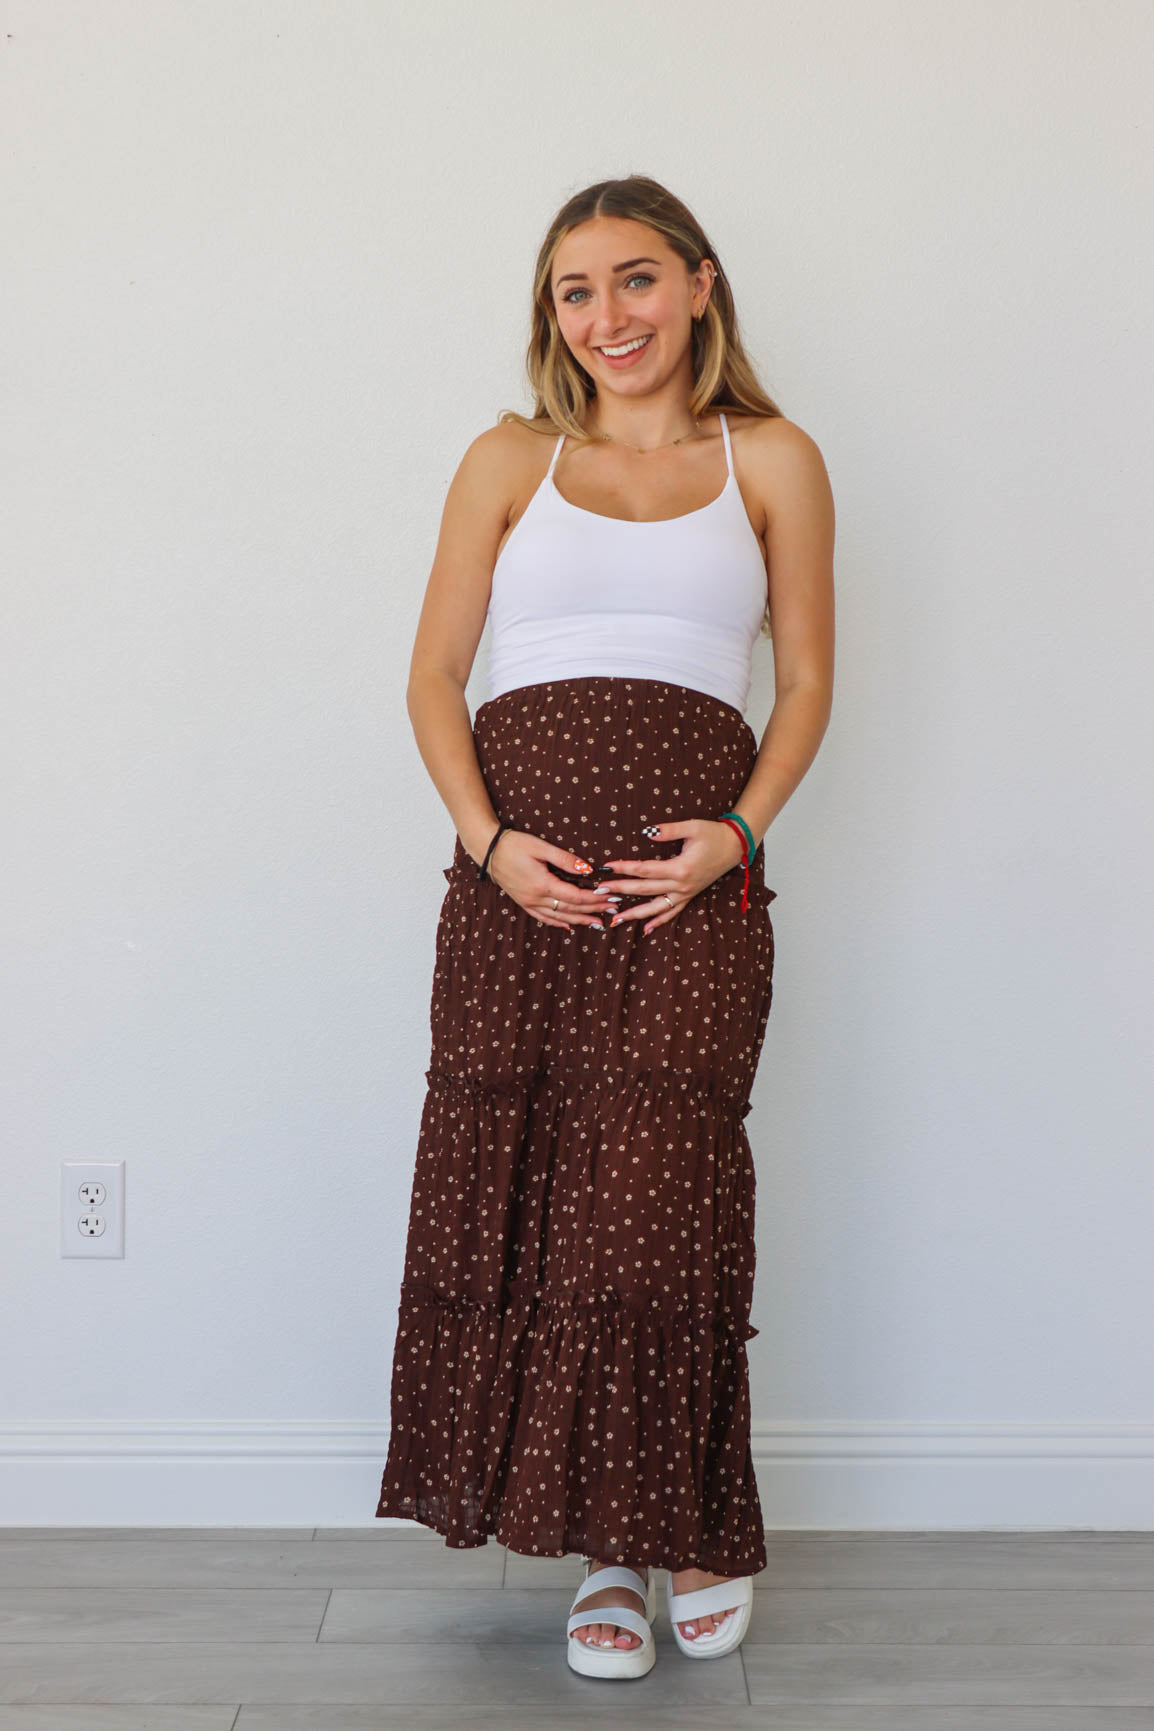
x,y
723,375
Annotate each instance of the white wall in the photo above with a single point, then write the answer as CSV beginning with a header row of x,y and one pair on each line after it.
x,y
267,274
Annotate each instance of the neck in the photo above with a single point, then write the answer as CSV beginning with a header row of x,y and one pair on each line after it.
x,y
644,425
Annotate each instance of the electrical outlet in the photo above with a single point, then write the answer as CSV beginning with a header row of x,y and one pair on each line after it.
x,y
92,1208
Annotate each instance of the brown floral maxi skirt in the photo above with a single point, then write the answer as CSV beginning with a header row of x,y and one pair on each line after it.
x,y
570,1369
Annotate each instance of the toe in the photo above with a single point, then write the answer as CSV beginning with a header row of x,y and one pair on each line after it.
x,y
710,1625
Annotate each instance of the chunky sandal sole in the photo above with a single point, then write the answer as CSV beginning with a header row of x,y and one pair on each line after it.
x,y
615,1662
710,1602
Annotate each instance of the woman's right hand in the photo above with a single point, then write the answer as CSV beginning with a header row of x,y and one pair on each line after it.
x,y
519,865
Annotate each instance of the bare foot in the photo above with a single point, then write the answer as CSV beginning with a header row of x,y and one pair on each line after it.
x,y
610,1634
688,1581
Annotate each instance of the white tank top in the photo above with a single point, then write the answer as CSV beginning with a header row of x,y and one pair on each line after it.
x,y
575,593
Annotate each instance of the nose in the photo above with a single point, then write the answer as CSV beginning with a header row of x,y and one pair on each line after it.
x,y
611,331
612,324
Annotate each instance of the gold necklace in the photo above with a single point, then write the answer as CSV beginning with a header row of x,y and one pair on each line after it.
x,y
645,449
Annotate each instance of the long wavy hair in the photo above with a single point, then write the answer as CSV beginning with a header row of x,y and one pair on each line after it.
x,y
723,375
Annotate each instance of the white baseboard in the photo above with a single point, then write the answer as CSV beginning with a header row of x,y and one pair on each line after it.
x,y
859,1476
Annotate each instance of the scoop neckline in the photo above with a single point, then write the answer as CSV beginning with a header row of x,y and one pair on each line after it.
x,y
640,522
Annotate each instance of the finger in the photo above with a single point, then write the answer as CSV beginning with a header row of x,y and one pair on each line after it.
x,y
658,905
546,919
565,861
671,831
551,919
575,897
648,883
565,914
590,902
634,867
669,914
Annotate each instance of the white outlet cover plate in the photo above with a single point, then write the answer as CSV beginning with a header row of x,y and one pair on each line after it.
x,y
107,1237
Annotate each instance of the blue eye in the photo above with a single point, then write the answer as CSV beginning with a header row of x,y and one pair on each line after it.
x,y
638,276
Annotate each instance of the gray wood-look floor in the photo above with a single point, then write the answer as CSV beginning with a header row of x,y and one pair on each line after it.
x,y
312,1629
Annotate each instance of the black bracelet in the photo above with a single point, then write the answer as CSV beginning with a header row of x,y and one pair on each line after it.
x,y
483,868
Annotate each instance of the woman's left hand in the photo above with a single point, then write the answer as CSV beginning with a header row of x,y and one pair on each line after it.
x,y
709,849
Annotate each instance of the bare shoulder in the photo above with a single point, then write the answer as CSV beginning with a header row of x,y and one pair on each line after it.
x,y
505,453
775,439
781,464
499,473
483,495
492,476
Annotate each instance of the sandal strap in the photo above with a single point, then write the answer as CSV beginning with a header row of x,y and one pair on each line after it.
x,y
621,1615
617,1575
708,1601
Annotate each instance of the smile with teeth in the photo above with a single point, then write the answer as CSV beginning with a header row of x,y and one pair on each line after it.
x,y
626,348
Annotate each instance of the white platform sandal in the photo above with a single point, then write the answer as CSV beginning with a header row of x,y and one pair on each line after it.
x,y
711,1602
614,1661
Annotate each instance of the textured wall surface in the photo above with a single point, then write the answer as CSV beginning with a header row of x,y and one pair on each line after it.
x,y
267,275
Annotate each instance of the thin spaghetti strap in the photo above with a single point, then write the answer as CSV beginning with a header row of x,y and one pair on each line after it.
x,y
556,454
728,447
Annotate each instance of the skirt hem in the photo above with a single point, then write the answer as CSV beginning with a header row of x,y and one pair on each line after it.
x,y
574,1543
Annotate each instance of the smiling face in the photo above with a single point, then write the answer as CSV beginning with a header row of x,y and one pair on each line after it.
x,y
618,286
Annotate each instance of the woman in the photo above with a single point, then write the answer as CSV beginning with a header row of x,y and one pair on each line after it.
x,y
570,1369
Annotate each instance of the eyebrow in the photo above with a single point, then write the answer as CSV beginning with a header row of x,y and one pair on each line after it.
x,y
582,276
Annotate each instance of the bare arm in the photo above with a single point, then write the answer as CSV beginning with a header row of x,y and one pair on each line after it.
x,y
475,517
799,539
789,473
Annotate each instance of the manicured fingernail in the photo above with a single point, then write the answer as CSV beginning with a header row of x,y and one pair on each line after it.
x,y
612,898
616,920
583,866
651,829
